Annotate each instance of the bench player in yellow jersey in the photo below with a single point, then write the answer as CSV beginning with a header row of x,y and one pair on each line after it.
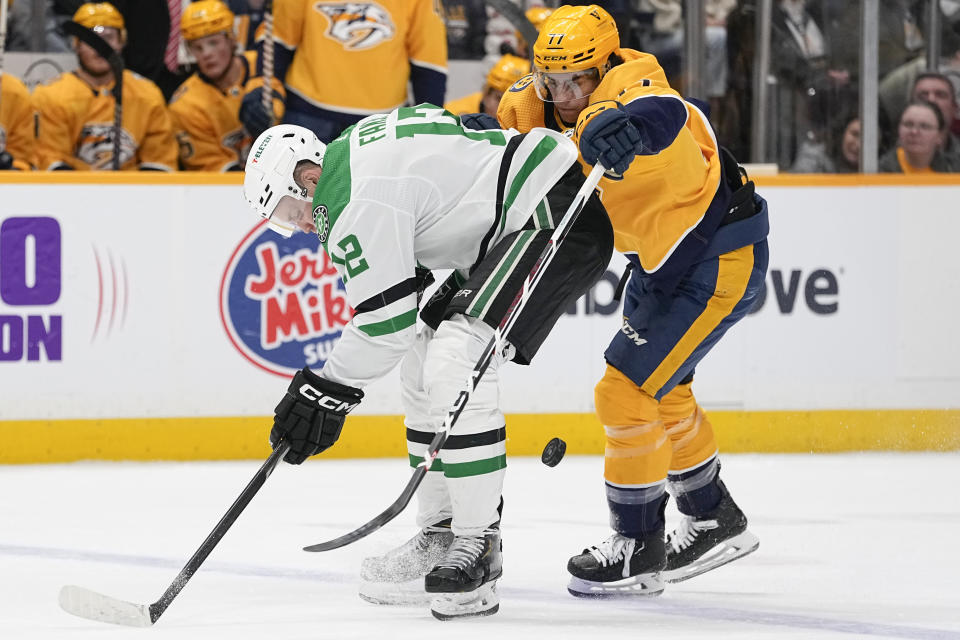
x,y
507,70
76,110
696,237
17,144
206,107
343,61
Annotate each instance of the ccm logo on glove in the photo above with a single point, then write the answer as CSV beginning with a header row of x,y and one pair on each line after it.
x,y
327,402
311,414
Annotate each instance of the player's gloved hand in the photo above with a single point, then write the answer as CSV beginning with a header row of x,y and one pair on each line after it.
x,y
612,139
254,118
311,414
479,121
6,161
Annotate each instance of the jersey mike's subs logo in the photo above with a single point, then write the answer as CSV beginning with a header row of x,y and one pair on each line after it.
x,y
281,302
357,25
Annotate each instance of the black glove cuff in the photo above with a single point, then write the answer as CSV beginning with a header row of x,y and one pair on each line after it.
x,y
326,385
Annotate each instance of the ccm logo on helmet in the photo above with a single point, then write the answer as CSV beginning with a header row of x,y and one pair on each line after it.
x,y
326,402
554,57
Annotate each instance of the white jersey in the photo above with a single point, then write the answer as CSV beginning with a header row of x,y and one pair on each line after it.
x,y
413,188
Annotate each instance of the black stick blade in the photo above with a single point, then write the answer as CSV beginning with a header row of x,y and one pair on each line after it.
x,y
388,514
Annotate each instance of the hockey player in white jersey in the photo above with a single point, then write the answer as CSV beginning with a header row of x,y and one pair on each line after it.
x,y
397,195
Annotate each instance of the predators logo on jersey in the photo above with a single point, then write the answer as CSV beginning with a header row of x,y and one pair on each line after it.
x,y
95,145
357,25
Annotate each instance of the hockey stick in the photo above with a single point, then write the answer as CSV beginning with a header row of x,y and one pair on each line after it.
x,y
509,318
3,48
113,58
515,17
268,59
95,606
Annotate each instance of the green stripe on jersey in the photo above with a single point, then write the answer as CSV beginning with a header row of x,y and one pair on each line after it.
x,y
541,151
495,138
390,325
542,219
475,468
495,282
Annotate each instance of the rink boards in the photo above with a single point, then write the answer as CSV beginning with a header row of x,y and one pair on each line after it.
x,y
152,317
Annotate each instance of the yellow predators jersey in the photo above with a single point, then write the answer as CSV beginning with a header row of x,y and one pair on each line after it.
x,y
76,125
466,104
661,197
207,125
353,57
16,123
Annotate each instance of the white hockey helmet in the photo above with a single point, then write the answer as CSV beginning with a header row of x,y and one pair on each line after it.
x,y
268,184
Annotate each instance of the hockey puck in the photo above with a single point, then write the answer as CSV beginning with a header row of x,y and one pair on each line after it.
x,y
553,452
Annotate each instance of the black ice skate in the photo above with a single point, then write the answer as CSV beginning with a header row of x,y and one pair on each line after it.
x,y
467,577
396,577
619,566
700,544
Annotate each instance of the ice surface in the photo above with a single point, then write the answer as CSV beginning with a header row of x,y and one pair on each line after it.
x,y
858,545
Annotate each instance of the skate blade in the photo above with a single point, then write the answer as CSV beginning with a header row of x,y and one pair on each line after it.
x,y
643,585
404,594
484,601
725,552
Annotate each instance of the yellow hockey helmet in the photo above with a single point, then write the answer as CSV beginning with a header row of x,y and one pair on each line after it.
x,y
99,14
574,39
536,16
205,18
507,70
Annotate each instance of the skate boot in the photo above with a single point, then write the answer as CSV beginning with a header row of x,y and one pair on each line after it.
x,y
620,566
467,577
396,577
702,543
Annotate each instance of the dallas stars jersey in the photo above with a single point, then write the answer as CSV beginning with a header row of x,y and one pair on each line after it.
x,y
207,125
413,188
355,57
76,125
662,196
16,123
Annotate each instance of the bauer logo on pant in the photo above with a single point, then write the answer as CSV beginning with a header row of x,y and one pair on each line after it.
x,y
281,302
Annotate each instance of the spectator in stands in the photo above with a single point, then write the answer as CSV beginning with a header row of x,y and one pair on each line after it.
x,y
205,109
342,62
838,152
508,69
896,87
936,88
921,131
17,144
20,25
76,110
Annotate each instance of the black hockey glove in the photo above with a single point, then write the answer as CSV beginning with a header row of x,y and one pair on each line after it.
x,y
479,121
612,139
254,118
311,414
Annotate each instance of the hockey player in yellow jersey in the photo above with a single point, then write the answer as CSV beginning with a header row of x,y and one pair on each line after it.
x,y
76,110
17,144
507,70
205,109
695,234
343,61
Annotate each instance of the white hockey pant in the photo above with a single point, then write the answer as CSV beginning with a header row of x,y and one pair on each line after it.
x,y
465,481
